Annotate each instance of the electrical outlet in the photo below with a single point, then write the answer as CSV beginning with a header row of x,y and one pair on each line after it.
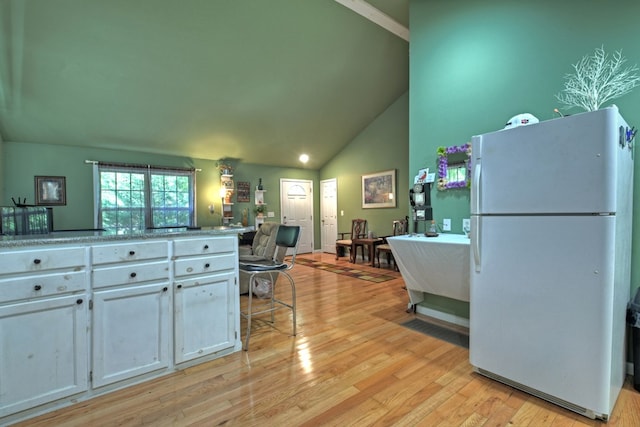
x,y
466,224
446,224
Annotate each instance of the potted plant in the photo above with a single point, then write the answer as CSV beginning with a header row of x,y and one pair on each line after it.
x,y
225,168
260,210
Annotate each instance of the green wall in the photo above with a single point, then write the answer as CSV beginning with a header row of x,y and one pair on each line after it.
x,y
2,180
476,64
23,161
381,146
271,183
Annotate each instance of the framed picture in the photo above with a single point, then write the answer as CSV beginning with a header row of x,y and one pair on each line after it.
x,y
244,189
51,190
379,190
422,176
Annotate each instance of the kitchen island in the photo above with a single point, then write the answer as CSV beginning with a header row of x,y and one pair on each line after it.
x,y
83,313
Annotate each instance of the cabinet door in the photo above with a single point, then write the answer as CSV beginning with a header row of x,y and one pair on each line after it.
x,y
44,351
130,332
204,316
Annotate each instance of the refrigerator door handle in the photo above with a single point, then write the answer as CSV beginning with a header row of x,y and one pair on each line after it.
x,y
475,236
475,187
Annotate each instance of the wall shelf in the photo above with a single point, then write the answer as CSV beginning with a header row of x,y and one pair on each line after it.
x,y
227,185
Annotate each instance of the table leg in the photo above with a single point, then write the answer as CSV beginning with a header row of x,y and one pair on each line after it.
x,y
371,253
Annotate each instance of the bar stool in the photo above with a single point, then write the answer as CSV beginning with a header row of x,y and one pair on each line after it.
x,y
271,268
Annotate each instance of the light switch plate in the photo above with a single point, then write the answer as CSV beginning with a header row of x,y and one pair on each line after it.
x,y
270,214
446,224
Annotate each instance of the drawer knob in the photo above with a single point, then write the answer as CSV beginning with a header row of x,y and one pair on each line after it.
x,y
79,301
37,287
207,265
165,289
37,261
132,275
132,253
179,286
206,246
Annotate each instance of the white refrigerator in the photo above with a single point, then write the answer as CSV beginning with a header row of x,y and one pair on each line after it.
x,y
551,207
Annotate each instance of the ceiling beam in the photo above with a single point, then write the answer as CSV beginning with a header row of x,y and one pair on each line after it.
x,y
374,15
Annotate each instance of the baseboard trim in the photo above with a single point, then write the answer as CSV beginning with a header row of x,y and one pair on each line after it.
x,y
445,317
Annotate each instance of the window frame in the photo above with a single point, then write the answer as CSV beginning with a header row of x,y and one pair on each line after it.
x,y
148,209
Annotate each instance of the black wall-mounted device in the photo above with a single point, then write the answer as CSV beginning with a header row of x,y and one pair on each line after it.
x,y
420,199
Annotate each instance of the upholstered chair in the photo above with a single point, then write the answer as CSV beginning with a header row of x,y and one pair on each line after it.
x,y
263,247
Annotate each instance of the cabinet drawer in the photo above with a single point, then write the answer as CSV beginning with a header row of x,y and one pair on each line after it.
x,y
131,251
205,246
41,259
207,264
42,286
130,274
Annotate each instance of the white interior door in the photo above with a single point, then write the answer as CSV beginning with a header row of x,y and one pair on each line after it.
x,y
296,207
328,215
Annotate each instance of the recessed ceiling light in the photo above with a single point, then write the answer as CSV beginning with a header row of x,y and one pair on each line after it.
x,y
304,158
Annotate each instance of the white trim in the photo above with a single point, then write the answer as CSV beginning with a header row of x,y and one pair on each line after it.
x,y
445,317
374,15
96,193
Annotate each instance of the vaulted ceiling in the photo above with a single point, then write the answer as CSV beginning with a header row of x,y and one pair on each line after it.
x,y
260,81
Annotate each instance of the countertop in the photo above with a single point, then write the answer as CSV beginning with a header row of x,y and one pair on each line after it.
x,y
90,236
460,239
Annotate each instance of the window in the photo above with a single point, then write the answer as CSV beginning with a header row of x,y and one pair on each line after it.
x,y
132,198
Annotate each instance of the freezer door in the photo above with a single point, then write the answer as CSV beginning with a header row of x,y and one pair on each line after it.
x,y
542,310
566,165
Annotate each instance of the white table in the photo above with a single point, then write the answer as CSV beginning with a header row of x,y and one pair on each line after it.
x,y
436,265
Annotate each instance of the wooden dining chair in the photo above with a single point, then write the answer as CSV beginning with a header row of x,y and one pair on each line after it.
x,y
400,227
358,231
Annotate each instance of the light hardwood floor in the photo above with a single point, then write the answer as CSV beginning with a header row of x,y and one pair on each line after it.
x,y
351,364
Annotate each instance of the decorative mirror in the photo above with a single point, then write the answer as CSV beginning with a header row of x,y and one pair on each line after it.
x,y
454,167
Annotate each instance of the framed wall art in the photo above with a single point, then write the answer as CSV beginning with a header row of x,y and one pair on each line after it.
x,y
51,190
379,190
243,194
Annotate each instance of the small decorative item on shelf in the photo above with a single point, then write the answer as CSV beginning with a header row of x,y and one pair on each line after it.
x,y
245,217
260,184
225,168
260,210
227,197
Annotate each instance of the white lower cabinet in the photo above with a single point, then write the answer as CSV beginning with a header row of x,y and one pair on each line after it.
x,y
44,351
79,320
204,316
131,331
131,315
206,307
